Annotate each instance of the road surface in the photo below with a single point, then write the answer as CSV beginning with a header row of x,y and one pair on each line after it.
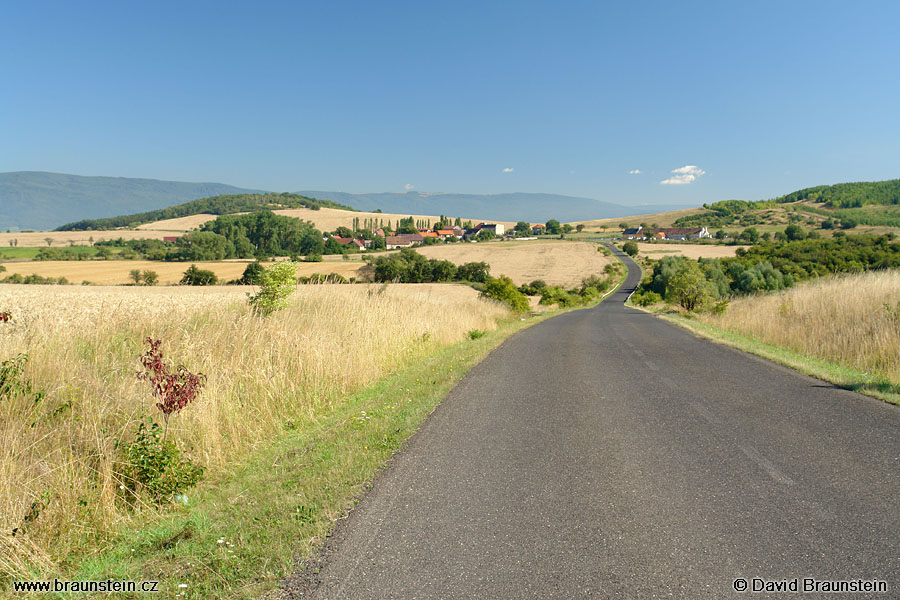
x,y
606,453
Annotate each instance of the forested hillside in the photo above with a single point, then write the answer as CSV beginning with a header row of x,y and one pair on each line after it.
x,y
848,195
216,205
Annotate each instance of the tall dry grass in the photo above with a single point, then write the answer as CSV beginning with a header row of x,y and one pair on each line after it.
x,y
851,320
59,455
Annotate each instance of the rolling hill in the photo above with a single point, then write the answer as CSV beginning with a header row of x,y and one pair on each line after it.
x,y
225,204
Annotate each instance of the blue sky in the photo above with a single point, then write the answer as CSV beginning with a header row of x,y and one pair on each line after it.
x,y
748,100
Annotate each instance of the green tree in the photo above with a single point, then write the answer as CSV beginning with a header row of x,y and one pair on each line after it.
x,y
503,289
150,277
523,228
794,232
135,276
407,225
689,287
567,228
579,228
749,235
332,246
630,248
196,276
253,274
276,284
553,227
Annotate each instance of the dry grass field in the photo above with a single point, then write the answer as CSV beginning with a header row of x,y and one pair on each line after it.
x,y
664,219
115,272
78,238
659,250
557,262
850,320
83,344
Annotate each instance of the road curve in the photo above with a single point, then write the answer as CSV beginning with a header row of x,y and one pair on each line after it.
x,y
606,453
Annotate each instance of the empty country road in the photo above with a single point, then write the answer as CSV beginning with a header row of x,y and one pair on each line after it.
x,y
606,453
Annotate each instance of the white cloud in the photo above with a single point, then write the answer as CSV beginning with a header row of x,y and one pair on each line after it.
x,y
408,186
684,175
635,172
508,170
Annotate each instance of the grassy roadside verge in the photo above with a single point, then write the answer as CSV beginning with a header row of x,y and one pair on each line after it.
x,y
243,533
844,376
840,375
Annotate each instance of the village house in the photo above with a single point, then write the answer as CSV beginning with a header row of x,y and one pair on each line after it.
x,y
633,233
403,240
679,234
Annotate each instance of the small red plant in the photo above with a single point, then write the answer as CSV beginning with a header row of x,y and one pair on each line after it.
x,y
5,316
172,390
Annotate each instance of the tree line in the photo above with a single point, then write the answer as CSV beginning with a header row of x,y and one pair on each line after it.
x,y
706,282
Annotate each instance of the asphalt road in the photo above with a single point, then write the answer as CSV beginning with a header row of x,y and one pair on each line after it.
x,y
605,453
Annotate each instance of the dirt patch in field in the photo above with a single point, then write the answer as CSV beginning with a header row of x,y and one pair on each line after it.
x,y
689,250
114,272
555,261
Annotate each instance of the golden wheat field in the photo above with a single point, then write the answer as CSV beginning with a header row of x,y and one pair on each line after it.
x,y
852,320
557,262
83,345
659,250
114,272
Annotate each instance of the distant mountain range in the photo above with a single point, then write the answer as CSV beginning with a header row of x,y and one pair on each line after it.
x,y
517,206
42,201
39,200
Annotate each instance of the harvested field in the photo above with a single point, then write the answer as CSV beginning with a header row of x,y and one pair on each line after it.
x,y
664,219
557,262
659,250
78,238
179,224
114,272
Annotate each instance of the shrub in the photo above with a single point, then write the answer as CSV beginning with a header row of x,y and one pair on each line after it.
x,y
253,274
630,248
13,382
647,299
502,289
173,388
196,276
313,258
594,282
559,296
276,284
474,334
156,464
150,277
